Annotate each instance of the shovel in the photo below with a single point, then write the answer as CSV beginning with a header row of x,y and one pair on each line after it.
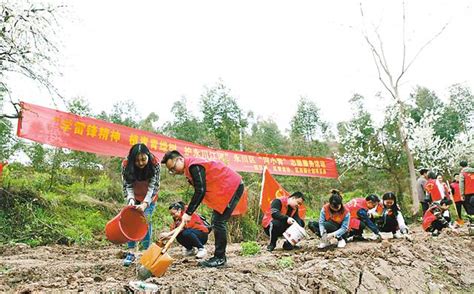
x,y
156,259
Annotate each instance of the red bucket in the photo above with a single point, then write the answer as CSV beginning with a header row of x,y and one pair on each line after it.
x,y
129,225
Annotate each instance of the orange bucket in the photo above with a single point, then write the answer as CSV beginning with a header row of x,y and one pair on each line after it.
x,y
129,225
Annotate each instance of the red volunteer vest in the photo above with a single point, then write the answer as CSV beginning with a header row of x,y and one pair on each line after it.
x,y
267,218
194,223
221,182
336,217
140,188
433,190
468,183
355,205
457,192
428,218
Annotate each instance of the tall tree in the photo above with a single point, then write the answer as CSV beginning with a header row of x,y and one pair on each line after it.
x,y
266,137
28,40
308,130
391,82
222,117
184,125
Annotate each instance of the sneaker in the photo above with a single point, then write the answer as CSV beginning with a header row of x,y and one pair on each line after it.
x,y
129,259
189,252
460,222
287,246
323,245
271,247
214,262
341,243
435,233
397,235
359,238
202,252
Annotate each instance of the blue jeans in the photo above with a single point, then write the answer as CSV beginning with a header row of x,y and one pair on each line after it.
x,y
146,240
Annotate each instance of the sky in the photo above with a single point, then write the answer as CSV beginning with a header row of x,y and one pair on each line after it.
x,y
268,53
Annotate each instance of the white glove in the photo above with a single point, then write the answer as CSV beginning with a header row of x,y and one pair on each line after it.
x,y
131,201
331,236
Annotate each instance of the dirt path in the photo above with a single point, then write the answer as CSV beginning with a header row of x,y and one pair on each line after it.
x,y
426,264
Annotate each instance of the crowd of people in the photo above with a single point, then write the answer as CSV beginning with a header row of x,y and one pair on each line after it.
x,y
220,188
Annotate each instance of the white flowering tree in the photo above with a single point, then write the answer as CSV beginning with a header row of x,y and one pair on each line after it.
x,y
28,43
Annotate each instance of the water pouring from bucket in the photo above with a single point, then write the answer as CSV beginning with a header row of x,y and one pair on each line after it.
x,y
295,233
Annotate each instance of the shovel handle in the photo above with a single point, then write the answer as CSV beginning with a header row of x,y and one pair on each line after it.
x,y
175,234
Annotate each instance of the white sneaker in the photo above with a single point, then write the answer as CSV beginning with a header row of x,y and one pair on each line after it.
x,y
188,252
397,235
202,252
341,243
323,245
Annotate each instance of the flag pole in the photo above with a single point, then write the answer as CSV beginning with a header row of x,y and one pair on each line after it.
x,y
261,196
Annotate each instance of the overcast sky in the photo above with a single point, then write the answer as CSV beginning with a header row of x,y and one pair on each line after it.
x,y
269,53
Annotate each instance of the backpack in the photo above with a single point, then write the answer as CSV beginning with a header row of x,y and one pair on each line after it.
x,y
205,222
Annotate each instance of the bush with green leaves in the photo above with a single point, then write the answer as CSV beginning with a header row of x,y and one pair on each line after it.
x,y
286,262
249,248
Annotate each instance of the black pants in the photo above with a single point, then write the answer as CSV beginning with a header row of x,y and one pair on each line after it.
x,y
389,224
438,225
459,206
359,231
469,204
329,226
190,238
219,222
276,229
424,206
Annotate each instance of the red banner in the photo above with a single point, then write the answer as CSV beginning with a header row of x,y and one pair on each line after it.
x,y
62,129
271,189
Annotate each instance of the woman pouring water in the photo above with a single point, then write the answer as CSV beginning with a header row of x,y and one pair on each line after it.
x,y
141,181
283,213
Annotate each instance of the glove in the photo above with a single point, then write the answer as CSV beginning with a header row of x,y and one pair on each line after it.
x,y
324,237
131,201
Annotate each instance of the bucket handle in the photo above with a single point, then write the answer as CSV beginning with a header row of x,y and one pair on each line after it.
x,y
175,234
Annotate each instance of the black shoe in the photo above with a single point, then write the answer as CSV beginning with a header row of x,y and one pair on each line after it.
x,y
287,246
214,262
359,238
271,247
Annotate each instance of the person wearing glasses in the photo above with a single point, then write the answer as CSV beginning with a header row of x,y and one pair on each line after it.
x,y
217,186
141,181
282,214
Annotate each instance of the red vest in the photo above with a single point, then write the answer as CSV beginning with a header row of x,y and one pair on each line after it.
x,y
428,218
267,218
337,217
457,192
140,188
432,189
355,205
195,223
468,183
221,182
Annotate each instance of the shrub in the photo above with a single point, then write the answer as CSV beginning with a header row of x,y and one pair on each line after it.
x,y
249,248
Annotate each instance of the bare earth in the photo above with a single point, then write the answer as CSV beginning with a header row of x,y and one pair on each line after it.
x,y
425,264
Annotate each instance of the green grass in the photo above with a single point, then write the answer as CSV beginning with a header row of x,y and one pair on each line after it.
x,y
249,248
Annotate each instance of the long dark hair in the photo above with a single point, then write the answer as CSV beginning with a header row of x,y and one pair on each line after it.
x,y
132,173
391,196
180,205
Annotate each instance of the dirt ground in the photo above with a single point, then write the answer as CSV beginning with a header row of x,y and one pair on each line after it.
x,y
423,264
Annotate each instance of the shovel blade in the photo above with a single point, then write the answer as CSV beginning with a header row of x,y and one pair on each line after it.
x,y
150,255
161,265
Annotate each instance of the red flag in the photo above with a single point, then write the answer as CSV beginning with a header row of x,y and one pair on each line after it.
x,y
271,189
241,207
